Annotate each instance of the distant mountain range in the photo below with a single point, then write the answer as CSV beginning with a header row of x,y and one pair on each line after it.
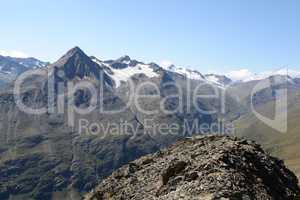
x,y
48,156
11,67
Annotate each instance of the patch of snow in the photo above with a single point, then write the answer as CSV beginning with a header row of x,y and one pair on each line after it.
x,y
281,72
191,74
119,75
213,79
291,73
240,75
127,62
244,75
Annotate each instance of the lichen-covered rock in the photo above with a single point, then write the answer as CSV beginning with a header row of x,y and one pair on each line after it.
x,y
208,167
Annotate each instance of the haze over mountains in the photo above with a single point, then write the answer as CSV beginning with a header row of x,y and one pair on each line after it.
x,y
49,156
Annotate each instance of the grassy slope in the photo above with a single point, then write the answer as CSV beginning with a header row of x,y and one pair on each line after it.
x,y
285,146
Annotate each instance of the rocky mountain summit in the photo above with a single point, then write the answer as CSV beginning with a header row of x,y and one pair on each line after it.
x,y
206,167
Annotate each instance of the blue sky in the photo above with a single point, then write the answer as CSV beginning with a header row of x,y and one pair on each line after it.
x,y
211,36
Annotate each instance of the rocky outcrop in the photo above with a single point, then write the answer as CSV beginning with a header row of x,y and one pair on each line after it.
x,y
208,167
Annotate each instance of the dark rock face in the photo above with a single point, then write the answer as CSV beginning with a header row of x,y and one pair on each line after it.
x,y
123,62
211,167
75,63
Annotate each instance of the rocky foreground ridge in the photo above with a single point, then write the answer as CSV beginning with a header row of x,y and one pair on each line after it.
x,y
208,167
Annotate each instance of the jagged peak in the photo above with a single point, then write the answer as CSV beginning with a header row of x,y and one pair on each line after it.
x,y
75,63
125,58
76,51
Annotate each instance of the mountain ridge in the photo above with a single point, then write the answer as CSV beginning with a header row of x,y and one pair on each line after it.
x,y
125,61
207,168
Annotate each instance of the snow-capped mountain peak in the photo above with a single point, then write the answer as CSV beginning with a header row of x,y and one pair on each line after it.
x,y
11,67
245,75
221,80
124,59
123,68
189,73
124,71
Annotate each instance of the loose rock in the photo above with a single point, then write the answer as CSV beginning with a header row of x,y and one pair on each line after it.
x,y
208,168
